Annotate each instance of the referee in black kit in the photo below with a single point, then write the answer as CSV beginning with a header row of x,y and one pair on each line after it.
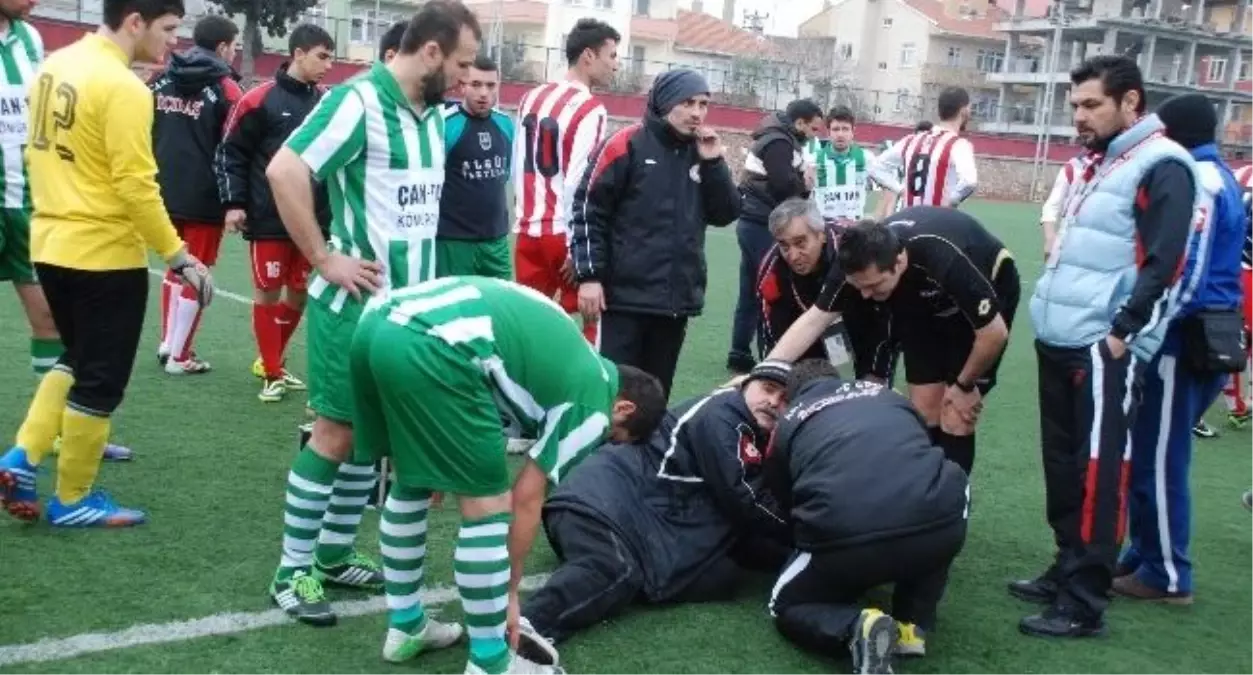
x,y
951,288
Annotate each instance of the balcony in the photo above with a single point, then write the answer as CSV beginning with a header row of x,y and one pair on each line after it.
x,y
952,76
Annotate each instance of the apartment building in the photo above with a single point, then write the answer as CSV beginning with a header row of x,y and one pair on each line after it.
x,y
1199,47
891,58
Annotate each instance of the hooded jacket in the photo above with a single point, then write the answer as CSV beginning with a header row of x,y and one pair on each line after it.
x,y
259,125
193,99
774,170
639,217
851,462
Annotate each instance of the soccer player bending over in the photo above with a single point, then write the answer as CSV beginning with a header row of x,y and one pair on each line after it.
x,y
386,180
97,209
427,364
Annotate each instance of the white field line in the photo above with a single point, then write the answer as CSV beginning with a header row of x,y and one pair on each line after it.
x,y
160,274
226,623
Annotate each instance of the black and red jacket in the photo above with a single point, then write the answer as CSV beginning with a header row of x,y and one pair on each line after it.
x,y
193,99
257,128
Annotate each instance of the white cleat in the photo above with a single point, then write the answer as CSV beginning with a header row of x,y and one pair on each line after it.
x,y
401,646
519,665
535,647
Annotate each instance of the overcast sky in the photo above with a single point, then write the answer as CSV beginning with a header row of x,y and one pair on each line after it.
x,y
780,22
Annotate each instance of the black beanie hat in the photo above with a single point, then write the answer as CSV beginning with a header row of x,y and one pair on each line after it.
x,y
1190,120
774,370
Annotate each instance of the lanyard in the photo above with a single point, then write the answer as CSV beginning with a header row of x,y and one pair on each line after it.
x,y
1075,201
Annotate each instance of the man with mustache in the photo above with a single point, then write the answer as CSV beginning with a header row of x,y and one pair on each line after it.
x,y
473,237
637,236
793,275
1101,310
870,501
665,520
380,140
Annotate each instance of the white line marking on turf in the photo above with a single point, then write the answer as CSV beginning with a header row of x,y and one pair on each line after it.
x,y
226,623
160,274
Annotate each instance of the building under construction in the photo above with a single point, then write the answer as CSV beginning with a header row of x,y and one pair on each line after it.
x,y
1181,47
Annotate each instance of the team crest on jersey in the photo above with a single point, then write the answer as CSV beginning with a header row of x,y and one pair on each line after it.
x,y
694,173
749,454
485,140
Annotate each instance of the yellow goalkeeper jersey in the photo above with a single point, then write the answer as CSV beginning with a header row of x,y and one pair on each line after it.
x,y
93,182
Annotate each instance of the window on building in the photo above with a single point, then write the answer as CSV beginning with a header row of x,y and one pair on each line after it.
x,y
637,59
846,51
604,4
902,100
989,61
1244,71
887,22
362,22
909,54
954,56
315,16
641,7
883,65
1217,70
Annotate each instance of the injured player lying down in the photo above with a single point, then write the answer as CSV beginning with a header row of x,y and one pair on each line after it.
x,y
666,520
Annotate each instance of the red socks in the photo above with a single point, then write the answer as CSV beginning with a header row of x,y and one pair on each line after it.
x,y
273,326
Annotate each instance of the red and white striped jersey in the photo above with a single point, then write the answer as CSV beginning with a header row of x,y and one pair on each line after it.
x,y
1070,171
939,168
1244,176
558,125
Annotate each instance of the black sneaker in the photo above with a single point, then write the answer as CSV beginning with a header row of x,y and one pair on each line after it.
x,y
302,597
1042,590
873,643
739,363
1061,622
358,571
1203,430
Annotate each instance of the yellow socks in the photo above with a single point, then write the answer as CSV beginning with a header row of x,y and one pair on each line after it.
x,y
83,438
43,419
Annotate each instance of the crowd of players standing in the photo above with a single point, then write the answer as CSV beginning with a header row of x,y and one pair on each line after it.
x,y
612,225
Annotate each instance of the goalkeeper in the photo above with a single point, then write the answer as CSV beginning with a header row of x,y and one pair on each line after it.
x,y
426,363
97,208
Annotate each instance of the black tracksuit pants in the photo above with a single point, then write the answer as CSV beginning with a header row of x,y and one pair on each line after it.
x,y
650,342
599,577
1087,404
817,599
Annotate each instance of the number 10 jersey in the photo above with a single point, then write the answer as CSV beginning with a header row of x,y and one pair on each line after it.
x,y
558,125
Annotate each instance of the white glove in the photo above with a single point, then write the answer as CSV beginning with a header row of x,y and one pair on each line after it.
x,y
194,274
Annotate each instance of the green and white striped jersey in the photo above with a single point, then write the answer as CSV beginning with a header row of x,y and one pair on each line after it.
x,y
811,149
840,185
383,162
22,52
530,351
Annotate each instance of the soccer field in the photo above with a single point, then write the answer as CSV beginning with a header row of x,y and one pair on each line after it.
x,y
187,592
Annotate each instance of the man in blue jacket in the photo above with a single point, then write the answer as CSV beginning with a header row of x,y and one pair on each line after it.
x,y
1100,312
1156,565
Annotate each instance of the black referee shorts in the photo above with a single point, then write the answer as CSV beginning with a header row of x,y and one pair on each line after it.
x,y
937,351
100,315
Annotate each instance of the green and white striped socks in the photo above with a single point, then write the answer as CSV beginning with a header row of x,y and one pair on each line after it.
x,y
44,354
402,540
481,567
349,495
308,494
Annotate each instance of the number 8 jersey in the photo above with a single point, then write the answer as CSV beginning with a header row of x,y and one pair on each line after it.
x,y
558,125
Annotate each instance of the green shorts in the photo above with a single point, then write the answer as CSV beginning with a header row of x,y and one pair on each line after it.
x,y
428,408
15,262
463,257
329,341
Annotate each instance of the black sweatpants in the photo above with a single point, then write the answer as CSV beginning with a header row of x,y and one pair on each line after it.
x,y
649,342
599,577
1087,405
817,599
100,316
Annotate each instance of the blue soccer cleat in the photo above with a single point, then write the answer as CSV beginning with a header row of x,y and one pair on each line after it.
x,y
97,509
17,485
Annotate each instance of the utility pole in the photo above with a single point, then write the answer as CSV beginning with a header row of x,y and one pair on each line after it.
x,y
1044,132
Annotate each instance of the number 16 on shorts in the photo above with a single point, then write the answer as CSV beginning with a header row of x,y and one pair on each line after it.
x,y
278,264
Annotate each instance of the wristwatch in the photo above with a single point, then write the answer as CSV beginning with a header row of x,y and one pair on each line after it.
x,y
967,388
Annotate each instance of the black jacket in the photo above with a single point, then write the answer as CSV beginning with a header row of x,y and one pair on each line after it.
x,y
774,170
682,499
193,99
852,463
639,219
258,127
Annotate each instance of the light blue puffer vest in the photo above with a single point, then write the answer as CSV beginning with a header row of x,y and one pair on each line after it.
x,y
1077,297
